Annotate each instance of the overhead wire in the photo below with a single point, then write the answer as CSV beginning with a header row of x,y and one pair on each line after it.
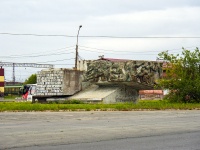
x,y
39,54
117,52
63,64
42,55
56,60
85,48
98,36
80,57
91,49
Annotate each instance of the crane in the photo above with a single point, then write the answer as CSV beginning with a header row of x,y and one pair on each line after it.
x,y
34,65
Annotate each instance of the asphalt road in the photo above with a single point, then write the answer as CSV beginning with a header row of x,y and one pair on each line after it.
x,y
139,130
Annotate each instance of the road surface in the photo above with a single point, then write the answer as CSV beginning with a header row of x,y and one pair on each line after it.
x,y
97,130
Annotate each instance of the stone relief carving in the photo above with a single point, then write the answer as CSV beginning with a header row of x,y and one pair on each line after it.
x,y
130,71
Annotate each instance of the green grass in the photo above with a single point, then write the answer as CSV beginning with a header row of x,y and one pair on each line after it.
x,y
10,97
141,105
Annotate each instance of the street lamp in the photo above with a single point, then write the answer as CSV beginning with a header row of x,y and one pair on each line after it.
x,y
76,59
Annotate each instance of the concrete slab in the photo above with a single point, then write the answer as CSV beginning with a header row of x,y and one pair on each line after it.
x,y
95,93
107,94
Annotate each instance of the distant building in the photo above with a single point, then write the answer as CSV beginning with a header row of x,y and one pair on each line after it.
x,y
2,81
151,94
13,88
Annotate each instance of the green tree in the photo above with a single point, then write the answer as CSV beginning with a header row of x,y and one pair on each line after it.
x,y
31,80
182,75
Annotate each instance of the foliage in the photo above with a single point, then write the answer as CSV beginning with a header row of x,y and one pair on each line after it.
x,y
31,80
182,75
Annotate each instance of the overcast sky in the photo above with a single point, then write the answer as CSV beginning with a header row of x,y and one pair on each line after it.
x,y
114,18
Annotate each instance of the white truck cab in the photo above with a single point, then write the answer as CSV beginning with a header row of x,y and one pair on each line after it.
x,y
31,91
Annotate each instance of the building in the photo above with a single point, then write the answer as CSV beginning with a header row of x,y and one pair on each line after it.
x,y
2,81
151,94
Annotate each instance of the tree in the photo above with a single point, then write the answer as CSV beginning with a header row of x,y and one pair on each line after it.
x,y
182,75
31,80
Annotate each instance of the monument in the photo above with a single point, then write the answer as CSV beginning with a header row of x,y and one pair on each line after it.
x,y
129,76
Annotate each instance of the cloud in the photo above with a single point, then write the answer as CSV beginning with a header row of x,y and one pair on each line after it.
x,y
64,10
99,17
173,21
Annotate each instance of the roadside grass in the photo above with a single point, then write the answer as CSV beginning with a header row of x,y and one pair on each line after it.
x,y
76,106
10,97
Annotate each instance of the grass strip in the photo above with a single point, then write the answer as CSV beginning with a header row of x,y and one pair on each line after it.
x,y
141,105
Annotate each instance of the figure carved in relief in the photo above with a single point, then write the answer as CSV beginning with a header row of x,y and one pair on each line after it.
x,y
130,71
116,72
146,75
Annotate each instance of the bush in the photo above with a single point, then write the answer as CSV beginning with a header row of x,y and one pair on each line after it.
x,y
182,76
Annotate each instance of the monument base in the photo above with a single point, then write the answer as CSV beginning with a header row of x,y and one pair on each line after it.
x,y
105,93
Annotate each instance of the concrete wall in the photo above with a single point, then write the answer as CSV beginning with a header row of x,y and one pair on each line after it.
x,y
127,94
59,81
71,81
112,97
122,94
82,64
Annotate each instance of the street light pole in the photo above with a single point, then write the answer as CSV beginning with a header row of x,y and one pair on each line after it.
x,y
76,59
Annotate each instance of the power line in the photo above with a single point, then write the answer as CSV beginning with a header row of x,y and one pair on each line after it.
x,y
64,64
30,34
43,53
130,53
57,60
18,56
144,37
64,48
117,51
80,57
120,52
95,36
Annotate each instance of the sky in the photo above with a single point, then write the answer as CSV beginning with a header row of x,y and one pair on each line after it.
x,y
123,29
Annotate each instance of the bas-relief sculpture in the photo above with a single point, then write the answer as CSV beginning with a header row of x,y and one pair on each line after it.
x,y
130,71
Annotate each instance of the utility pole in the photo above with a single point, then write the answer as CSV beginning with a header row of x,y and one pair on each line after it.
x,y
13,72
76,58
